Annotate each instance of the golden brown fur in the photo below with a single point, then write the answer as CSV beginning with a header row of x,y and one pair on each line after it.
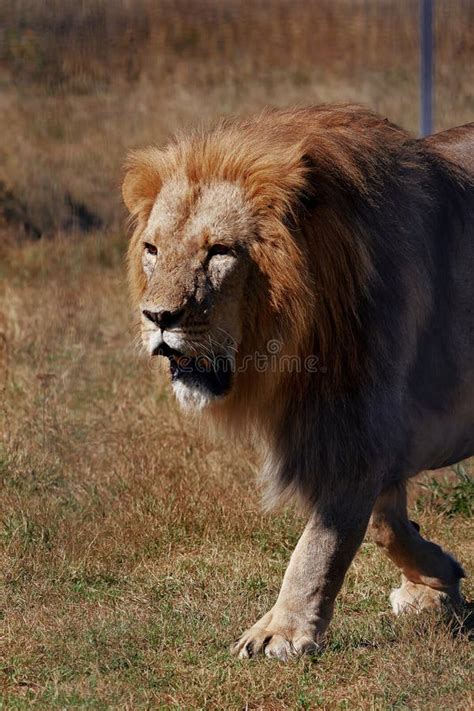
x,y
273,159
335,217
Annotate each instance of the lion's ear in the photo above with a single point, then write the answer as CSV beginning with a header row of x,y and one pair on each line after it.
x,y
142,181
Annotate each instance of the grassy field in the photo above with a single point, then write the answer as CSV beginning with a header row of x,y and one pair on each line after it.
x,y
81,83
133,550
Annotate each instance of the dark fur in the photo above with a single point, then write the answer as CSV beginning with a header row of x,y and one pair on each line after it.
x,y
413,323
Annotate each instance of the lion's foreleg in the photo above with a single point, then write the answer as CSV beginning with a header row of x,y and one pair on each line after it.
x,y
297,622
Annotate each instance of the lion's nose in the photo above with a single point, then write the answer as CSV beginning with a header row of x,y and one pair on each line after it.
x,y
165,319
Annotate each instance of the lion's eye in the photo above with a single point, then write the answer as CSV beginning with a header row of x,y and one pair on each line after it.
x,y
219,249
150,248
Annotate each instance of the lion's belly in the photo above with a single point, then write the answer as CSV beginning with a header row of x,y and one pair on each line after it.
x,y
439,438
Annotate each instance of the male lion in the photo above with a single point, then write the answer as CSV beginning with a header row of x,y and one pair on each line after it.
x,y
325,232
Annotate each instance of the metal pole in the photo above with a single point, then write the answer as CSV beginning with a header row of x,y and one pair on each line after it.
x,y
426,67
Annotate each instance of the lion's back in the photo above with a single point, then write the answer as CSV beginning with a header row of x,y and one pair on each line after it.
x,y
455,144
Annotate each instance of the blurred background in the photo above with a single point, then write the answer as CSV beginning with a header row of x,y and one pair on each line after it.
x,y
82,81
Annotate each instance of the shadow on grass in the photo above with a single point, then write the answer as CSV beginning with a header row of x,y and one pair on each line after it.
x,y
461,621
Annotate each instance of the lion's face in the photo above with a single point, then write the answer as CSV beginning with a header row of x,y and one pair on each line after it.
x,y
195,262
218,264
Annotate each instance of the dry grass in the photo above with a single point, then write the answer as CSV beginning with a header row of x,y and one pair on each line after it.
x,y
134,550
83,82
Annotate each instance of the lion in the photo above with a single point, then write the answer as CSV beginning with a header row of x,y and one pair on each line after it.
x,y
306,275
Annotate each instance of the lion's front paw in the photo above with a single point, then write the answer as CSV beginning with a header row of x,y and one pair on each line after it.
x,y
275,639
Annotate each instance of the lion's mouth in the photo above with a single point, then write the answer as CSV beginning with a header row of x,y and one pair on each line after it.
x,y
213,375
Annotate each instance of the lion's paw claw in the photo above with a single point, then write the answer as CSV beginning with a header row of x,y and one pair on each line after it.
x,y
257,641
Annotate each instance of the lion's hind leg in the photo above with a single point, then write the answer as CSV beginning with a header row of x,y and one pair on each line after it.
x,y
431,576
